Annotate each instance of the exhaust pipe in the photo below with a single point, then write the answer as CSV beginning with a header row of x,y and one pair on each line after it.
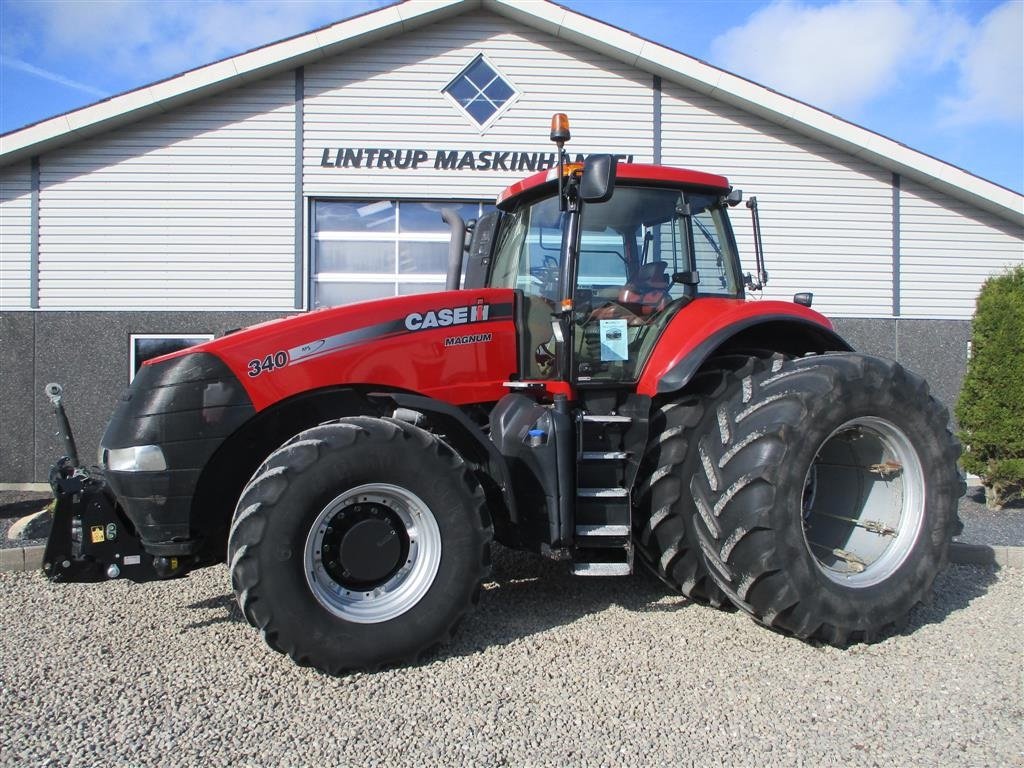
x,y
455,248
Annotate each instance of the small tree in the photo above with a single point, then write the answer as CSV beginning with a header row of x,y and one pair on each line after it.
x,y
991,405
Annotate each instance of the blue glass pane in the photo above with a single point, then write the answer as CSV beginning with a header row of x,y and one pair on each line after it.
x,y
462,91
407,289
481,110
480,73
354,256
369,216
499,92
336,294
423,258
426,217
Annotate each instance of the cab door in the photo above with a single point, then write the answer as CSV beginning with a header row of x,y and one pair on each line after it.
x,y
528,259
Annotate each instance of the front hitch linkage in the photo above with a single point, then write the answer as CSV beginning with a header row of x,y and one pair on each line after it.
x,y
90,539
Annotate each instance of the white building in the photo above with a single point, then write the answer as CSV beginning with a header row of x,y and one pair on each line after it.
x,y
225,195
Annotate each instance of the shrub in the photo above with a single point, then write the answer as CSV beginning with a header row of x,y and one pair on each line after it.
x,y
991,405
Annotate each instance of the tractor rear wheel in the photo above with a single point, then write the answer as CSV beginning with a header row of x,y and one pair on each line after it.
x,y
829,490
665,538
358,544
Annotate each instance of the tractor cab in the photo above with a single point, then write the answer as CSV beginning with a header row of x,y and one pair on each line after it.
x,y
603,255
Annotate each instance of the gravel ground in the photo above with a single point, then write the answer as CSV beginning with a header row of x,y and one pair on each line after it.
x,y
985,526
17,504
551,670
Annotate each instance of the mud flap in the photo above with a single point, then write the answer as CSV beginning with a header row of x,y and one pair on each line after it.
x,y
91,540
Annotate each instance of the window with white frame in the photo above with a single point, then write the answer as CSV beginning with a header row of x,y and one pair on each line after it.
x,y
480,91
369,249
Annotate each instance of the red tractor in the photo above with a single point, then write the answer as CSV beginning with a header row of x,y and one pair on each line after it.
x,y
598,390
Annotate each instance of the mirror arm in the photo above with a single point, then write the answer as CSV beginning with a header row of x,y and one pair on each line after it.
x,y
762,274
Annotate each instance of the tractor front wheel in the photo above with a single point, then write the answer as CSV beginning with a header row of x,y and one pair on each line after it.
x,y
827,494
358,544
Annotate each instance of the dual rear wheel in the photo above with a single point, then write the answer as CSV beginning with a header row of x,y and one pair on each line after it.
x,y
822,495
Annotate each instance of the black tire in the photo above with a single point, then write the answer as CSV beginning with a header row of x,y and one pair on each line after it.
x,y
279,526
780,538
664,534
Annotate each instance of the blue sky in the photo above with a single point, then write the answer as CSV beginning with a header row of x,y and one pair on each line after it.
x,y
945,77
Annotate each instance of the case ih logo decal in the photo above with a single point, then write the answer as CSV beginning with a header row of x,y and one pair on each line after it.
x,y
441,318
478,312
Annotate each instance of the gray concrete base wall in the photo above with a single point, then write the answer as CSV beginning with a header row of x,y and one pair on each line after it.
x,y
934,349
88,354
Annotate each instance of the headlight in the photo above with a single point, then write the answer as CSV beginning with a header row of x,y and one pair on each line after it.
x,y
137,458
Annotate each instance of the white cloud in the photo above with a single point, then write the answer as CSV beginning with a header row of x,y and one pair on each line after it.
x,y
162,37
840,56
991,85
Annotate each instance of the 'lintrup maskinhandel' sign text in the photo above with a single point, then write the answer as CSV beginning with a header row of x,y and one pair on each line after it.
x,y
445,159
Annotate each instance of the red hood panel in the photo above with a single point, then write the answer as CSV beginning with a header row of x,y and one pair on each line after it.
x,y
458,346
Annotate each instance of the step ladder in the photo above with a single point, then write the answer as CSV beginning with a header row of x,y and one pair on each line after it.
x,y
603,520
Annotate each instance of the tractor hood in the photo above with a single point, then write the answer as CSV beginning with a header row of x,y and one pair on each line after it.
x,y
456,345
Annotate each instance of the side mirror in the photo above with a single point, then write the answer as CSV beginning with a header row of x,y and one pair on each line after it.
x,y
598,180
734,198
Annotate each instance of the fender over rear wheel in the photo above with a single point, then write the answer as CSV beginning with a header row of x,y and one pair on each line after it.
x,y
358,544
827,495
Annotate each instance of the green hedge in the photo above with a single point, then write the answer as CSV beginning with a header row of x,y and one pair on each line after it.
x,y
991,406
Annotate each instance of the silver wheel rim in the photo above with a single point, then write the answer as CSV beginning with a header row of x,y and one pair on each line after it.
x,y
863,502
401,590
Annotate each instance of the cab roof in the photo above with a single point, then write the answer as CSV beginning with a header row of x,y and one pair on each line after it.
x,y
649,175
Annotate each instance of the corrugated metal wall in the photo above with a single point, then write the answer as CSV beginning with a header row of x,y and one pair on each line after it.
x,y
190,210
826,217
15,235
947,250
390,96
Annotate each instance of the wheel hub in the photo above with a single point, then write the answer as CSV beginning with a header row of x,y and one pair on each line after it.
x,y
863,502
364,545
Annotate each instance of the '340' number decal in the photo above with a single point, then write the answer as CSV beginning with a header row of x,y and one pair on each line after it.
x,y
268,363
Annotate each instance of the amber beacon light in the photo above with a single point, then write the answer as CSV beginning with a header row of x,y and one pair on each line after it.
x,y
560,135
560,128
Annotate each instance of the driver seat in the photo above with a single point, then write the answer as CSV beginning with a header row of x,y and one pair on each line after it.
x,y
647,290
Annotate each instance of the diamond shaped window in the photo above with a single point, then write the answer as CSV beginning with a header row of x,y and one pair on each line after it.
x,y
480,90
